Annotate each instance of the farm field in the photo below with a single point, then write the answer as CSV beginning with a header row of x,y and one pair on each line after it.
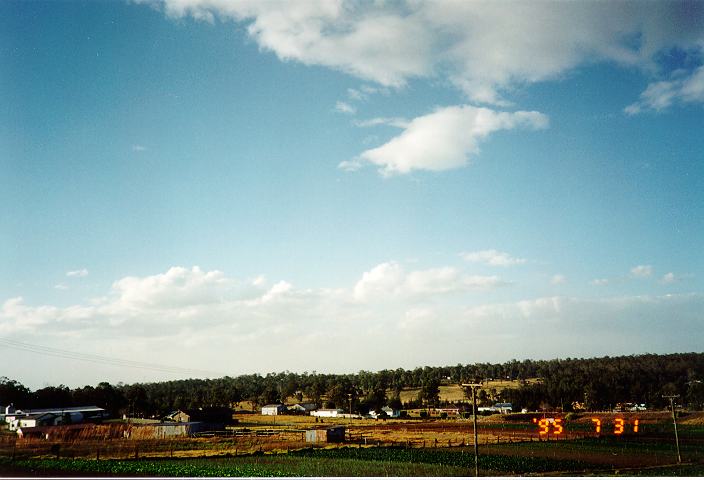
x,y
517,459
275,447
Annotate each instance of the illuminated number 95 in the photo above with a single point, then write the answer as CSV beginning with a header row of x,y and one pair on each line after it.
x,y
545,423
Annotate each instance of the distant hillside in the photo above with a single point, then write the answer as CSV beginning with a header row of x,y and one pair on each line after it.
x,y
595,383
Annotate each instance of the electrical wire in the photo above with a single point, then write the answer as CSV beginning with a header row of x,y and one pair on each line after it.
x,y
102,359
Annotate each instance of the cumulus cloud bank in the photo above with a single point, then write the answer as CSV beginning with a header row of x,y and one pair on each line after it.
x,y
485,49
434,316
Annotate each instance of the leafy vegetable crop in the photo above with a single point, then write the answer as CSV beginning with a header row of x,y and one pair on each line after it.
x,y
146,467
497,463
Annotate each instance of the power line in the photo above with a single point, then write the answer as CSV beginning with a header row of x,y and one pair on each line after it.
x,y
102,359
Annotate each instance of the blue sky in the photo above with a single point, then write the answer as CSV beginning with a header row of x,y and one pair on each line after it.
x,y
259,183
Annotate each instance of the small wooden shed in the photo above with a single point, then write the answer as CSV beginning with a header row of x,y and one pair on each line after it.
x,y
326,435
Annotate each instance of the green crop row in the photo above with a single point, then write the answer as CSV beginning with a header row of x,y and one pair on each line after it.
x,y
496,463
144,468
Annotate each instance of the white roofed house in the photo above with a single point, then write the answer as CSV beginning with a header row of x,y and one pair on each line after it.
x,y
37,420
327,412
274,409
60,416
302,408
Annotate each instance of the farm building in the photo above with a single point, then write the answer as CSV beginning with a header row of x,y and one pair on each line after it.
x,y
62,416
148,431
302,408
216,417
327,412
497,408
326,435
39,420
385,412
273,409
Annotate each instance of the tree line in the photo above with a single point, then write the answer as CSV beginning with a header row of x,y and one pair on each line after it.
x,y
596,383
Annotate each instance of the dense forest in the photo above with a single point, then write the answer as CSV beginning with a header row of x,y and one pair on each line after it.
x,y
597,383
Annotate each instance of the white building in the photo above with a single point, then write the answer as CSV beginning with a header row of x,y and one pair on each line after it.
x,y
273,409
385,411
327,412
302,408
61,416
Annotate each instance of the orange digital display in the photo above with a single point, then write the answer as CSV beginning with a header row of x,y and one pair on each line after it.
x,y
597,424
554,426
618,426
544,425
557,423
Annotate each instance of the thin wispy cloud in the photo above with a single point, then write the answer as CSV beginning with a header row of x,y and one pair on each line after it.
x,y
659,96
389,121
344,107
83,272
642,271
493,258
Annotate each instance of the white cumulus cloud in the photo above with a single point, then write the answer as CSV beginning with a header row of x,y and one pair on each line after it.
x,y
445,139
485,49
390,279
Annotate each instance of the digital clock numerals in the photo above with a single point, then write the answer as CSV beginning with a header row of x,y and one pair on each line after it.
x,y
553,426
545,423
597,424
619,426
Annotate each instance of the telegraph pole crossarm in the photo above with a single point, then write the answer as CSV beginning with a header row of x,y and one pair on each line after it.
x,y
474,387
674,421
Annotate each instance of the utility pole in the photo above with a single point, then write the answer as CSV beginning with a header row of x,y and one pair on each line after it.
x,y
474,387
674,421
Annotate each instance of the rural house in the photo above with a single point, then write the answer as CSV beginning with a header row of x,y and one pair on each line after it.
x,y
62,416
215,417
327,412
302,408
273,409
